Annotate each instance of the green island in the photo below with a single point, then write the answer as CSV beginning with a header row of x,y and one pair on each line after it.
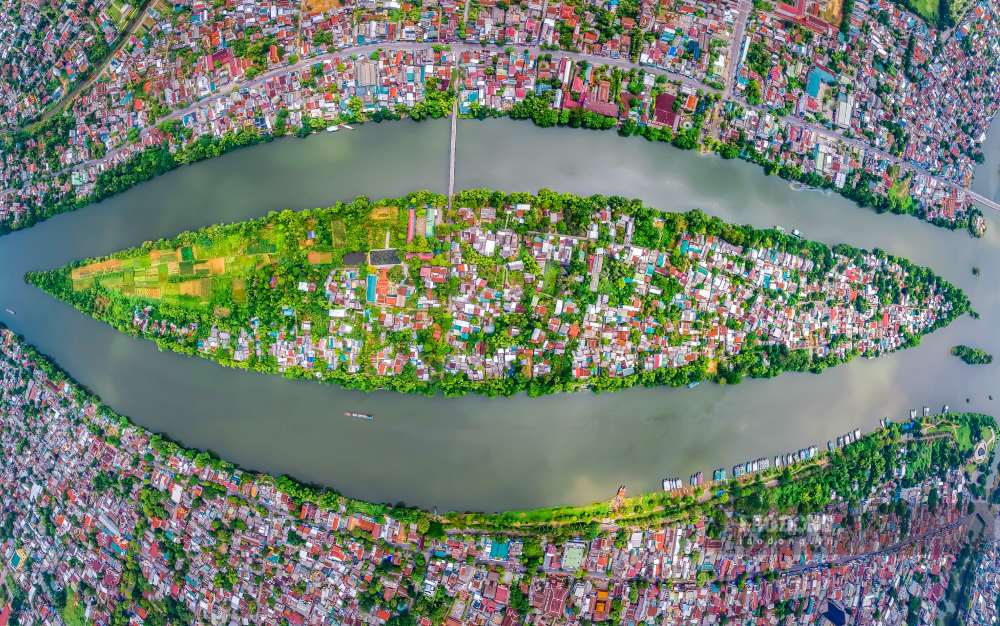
x,y
499,293
972,356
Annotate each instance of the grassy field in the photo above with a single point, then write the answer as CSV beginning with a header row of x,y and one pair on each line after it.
x,y
959,431
964,438
899,194
551,277
387,218
120,12
959,8
187,275
72,614
201,270
927,9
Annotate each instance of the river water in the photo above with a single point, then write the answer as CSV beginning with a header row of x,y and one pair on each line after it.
x,y
473,452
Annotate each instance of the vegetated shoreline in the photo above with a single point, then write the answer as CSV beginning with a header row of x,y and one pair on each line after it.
x,y
849,473
156,161
971,355
760,360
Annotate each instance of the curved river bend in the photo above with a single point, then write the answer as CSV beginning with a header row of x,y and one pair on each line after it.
x,y
473,452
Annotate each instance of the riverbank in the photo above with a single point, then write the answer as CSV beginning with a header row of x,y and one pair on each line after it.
x,y
883,181
205,541
860,192
501,294
153,162
927,444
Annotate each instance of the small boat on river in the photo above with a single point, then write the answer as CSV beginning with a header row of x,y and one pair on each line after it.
x,y
10,310
363,416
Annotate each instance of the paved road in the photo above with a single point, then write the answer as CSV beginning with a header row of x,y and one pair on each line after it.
x,y
742,17
622,63
862,556
113,155
855,142
793,571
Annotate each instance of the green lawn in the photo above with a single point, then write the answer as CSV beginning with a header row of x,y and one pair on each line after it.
x,y
899,195
551,277
927,9
73,613
117,12
964,436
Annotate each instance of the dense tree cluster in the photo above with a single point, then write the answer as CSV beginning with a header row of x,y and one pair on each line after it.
x,y
972,356
141,167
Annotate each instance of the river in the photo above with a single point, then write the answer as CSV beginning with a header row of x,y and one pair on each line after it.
x,y
473,452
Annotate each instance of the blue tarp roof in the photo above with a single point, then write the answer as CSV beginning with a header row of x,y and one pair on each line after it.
x,y
816,77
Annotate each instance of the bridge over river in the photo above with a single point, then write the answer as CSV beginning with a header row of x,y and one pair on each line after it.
x,y
983,201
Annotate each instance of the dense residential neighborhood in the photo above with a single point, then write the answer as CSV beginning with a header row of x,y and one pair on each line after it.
x,y
46,48
985,602
504,293
104,523
875,103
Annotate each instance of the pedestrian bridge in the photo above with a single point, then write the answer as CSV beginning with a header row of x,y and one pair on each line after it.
x,y
983,201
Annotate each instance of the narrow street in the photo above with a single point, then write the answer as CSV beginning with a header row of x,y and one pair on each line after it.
x,y
71,95
733,61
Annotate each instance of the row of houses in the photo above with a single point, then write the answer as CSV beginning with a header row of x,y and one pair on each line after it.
x,y
47,48
888,83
